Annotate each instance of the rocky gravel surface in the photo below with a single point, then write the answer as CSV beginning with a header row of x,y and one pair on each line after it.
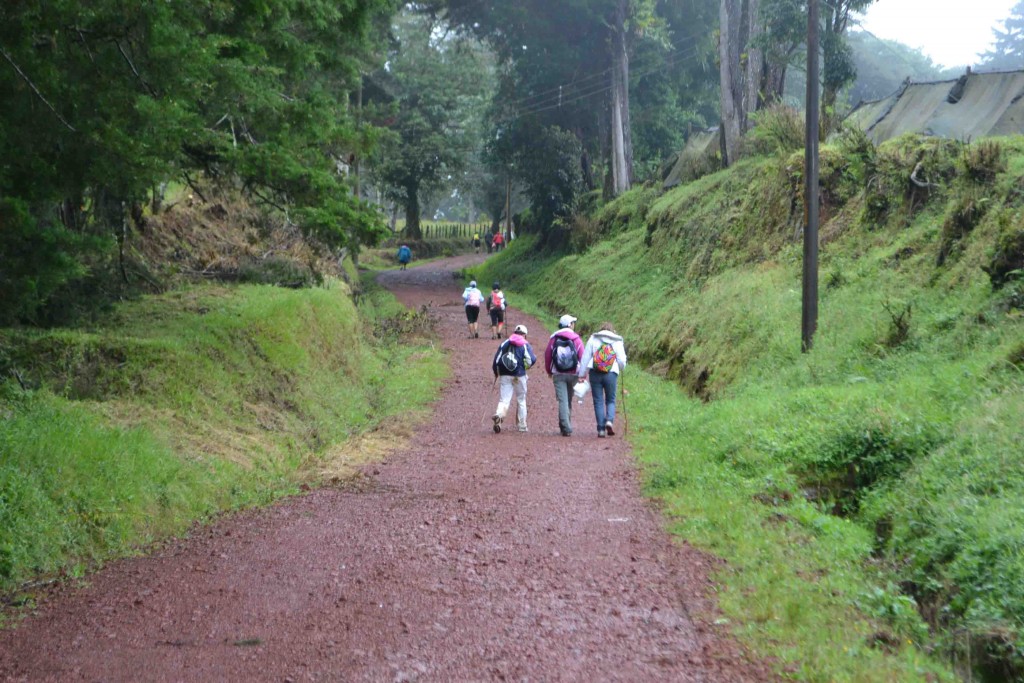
x,y
466,556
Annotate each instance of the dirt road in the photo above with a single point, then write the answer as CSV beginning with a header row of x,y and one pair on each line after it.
x,y
469,556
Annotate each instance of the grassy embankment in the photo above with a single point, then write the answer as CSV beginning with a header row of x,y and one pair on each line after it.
x,y
177,407
868,496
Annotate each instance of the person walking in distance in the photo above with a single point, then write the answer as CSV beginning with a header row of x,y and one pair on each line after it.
x,y
496,308
472,298
562,361
404,255
476,242
604,357
511,361
499,241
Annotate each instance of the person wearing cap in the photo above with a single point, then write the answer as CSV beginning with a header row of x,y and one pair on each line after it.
x,y
472,298
562,361
604,357
513,358
496,308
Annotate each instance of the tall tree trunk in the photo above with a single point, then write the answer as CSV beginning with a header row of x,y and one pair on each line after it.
x,y
622,152
756,63
731,77
774,82
412,214
587,169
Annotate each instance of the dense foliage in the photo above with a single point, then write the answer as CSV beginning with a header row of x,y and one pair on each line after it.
x,y
106,102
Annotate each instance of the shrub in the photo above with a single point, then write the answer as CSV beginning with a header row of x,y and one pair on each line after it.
x,y
778,129
984,161
38,258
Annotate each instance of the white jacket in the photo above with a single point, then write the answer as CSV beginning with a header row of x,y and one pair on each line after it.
x,y
594,343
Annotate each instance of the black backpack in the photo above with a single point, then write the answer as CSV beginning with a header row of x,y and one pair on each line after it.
x,y
563,355
509,359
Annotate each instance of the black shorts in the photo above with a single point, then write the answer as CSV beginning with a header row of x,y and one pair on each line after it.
x,y
472,313
497,316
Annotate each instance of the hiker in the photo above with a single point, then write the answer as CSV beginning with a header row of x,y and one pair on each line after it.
x,y
562,361
604,357
404,255
496,308
498,241
476,242
513,358
472,298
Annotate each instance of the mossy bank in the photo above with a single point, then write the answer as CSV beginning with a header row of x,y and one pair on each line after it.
x,y
176,407
867,496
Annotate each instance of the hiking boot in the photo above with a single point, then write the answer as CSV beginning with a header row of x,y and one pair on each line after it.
x,y
601,433
523,428
476,334
497,424
608,428
566,432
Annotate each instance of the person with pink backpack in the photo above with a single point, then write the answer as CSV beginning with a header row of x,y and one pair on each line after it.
x,y
472,298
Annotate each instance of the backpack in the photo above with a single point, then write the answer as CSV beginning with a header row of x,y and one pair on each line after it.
x,y
496,300
564,357
508,358
604,358
474,299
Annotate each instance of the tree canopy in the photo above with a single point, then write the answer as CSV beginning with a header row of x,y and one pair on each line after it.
x,y
105,101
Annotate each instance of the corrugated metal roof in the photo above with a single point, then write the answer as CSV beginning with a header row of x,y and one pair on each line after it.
x,y
975,106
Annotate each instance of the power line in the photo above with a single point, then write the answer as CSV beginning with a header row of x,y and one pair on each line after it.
x,y
559,91
679,58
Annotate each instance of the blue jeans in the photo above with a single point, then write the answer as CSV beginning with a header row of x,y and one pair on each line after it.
x,y
603,386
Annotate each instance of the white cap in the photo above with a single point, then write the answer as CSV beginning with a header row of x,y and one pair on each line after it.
x,y
520,329
472,283
566,320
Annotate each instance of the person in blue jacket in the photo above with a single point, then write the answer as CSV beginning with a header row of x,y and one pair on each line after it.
x,y
404,255
513,358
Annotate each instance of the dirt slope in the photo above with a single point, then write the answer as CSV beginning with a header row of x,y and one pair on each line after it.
x,y
469,556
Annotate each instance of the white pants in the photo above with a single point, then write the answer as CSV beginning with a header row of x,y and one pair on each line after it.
x,y
507,386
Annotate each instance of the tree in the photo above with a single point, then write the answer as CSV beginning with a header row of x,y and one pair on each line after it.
x,y
560,57
1007,51
883,65
434,81
105,100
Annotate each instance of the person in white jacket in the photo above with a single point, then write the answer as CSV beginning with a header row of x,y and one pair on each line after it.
x,y
604,357
472,298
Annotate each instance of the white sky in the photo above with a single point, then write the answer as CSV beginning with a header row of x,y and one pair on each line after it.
x,y
951,32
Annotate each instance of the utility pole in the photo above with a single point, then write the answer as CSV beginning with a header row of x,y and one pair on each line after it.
x,y
810,283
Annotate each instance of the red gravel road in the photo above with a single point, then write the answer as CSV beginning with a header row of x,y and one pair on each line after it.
x,y
469,556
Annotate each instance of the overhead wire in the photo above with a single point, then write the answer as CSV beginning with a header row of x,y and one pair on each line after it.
x,y
597,89
555,92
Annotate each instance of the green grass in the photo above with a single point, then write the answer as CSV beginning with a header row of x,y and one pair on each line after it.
x,y
178,407
866,496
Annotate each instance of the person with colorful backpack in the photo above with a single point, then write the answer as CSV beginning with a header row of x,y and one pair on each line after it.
x,y
604,357
513,358
562,361
472,298
496,305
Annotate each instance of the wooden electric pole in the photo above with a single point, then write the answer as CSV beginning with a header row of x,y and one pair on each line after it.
x,y
810,288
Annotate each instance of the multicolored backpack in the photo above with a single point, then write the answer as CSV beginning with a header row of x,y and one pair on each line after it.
x,y
604,358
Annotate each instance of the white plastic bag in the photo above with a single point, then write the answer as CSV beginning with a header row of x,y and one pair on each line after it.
x,y
580,390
